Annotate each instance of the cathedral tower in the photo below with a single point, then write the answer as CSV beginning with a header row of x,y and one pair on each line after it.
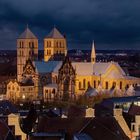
x,y
93,54
55,46
27,48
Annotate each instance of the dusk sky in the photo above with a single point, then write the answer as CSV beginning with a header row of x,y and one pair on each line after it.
x,y
112,24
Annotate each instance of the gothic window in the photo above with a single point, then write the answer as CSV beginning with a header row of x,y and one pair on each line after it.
x,y
56,44
29,53
106,85
84,83
46,91
94,84
88,84
53,91
32,44
49,43
113,84
127,86
121,85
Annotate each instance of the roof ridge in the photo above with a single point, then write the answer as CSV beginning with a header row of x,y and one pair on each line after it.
x,y
54,33
27,34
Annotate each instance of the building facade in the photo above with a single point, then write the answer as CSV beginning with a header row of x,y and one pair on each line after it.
x,y
27,48
55,46
69,78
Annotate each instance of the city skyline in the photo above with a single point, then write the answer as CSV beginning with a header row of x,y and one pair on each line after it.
x,y
112,25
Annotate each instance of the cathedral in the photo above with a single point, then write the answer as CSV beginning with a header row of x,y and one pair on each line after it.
x,y
57,77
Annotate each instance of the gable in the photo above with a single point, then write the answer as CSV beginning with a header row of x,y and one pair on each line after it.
x,y
28,68
67,68
114,71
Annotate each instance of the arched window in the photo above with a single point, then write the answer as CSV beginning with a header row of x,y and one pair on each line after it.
x,y
94,84
56,44
88,84
106,85
32,44
49,43
121,85
84,83
53,91
113,84
29,44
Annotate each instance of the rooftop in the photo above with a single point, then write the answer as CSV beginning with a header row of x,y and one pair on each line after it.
x,y
27,34
55,34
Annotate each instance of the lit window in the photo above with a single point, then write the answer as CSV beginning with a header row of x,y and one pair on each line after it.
x,y
106,85
120,85
94,84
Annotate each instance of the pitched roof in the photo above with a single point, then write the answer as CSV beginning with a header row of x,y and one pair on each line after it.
x,y
69,125
5,132
134,110
82,68
27,34
104,128
87,68
47,67
55,34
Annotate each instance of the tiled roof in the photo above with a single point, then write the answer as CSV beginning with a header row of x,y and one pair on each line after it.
x,y
55,34
82,68
68,125
105,128
27,34
47,67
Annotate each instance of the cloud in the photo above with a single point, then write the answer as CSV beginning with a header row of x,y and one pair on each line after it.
x,y
108,22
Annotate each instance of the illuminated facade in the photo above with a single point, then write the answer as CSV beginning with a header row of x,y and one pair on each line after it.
x,y
27,48
55,76
55,46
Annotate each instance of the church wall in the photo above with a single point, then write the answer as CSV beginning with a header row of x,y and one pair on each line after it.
x,y
95,80
82,83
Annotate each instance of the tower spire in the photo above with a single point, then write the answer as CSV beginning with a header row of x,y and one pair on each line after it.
x,y
93,54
